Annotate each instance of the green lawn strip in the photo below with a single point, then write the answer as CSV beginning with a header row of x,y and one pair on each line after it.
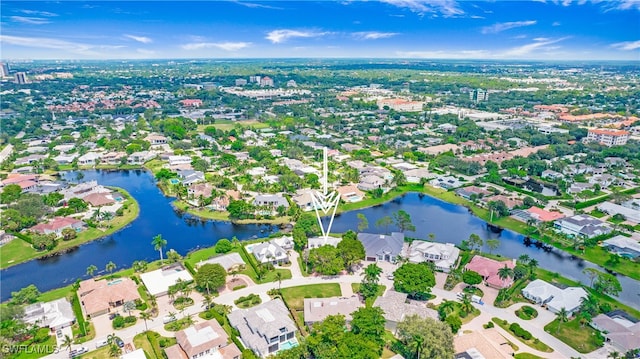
x,y
526,312
77,311
584,339
527,356
303,269
153,344
20,251
58,293
598,214
100,353
294,296
534,343
35,350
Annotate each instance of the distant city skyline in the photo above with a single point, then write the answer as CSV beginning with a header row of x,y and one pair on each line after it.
x,y
413,29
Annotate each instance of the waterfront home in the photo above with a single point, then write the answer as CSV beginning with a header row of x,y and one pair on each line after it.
x,y
57,225
266,329
268,203
159,281
200,189
551,175
471,192
229,261
541,215
189,177
269,252
624,246
508,201
397,307
381,247
417,174
140,157
445,182
54,315
304,200
89,159
25,181
179,160
582,225
370,183
156,140
443,255
544,293
101,296
619,329
317,309
99,199
203,340
65,159
628,212
488,269
350,193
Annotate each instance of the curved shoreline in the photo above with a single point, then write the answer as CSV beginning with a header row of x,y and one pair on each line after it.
x,y
68,246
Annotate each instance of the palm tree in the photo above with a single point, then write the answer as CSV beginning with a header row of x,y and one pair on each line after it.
x,y
493,244
91,269
466,305
145,316
504,273
614,355
279,279
372,273
589,304
524,259
110,267
159,243
67,342
563,317
417,341
533,264
114,350
207,301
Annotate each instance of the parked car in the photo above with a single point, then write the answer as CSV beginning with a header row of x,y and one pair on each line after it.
x,y
101,343
112,316
119,342
169,319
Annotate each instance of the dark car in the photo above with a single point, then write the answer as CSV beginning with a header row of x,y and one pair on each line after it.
x,y
119,342
113,315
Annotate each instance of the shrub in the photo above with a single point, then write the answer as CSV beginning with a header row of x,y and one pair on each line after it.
x,y
118,322
518,331
488,325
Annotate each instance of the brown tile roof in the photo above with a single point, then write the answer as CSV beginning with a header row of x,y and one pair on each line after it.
x,y
100,295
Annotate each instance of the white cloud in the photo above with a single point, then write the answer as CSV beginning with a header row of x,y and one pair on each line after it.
x,y
56,44
447,8
255,5
38,13
373,35
142,39
227,46
502,26
282,35
539,44
30,20
556,23
627,45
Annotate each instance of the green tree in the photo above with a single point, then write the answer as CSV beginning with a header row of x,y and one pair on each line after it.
x,y
352,252
363,222
77,204
403,221
471,278
385,222
608,284
326,260
474,242
173,256
10,193
110,267
223,246
592,273
210,276
91,269
145,316
369,322
26,295
67,342
426,337
493,244
504,273
159,243
563,317
414,279
68,234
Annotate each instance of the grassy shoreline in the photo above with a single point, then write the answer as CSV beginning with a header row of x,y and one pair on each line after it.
x,y
18,251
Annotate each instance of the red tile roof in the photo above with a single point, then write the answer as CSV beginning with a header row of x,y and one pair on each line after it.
x,y
543,215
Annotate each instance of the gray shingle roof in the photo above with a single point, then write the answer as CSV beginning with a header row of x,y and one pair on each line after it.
x,y
380,244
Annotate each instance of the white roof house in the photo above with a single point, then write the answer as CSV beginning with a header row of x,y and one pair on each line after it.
x,y
136,354
624,246
542,292
443,255
227,261
159,281
55,314
630,214
317,309
269,252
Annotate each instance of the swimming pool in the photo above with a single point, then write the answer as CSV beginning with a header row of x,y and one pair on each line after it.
x,y
174,181
249,247
289,344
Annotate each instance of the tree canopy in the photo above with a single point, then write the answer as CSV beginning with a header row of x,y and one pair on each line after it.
x,y
414,279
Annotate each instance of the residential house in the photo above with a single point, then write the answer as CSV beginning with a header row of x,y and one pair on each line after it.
x,y
438,149
101,296
29,160
179,160
619,329
26,182
541,215
551,175
582,225
89,159
443,255
397,307
156,140
139,158
113,158
624,246
269,252
350,193
577,187
268,203
370,183
189,177
65,159
200,189
508,201
317,309
471,192
488,269
266,328
603,180
317,242
55,315
628,212
203,340
57,225
417,174
446,182
159,281
381,247
99,199
229,261
544,293
303,198
488,343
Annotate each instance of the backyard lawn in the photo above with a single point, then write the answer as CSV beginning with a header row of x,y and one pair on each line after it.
x,y
294,296
584,339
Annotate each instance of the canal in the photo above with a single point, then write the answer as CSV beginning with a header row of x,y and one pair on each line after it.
x,y
447,222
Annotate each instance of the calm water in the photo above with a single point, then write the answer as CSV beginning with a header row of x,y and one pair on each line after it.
x,y
448,222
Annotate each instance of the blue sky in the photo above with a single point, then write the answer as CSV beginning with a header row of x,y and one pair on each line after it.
x,y
441,29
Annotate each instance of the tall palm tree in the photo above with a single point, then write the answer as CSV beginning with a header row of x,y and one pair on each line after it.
x,y
372,273
279,279
207,301
110,267
67,342
466,305
533,264
563,317
504,273
91,269
417,341
589,304
159,243
524,259
145,316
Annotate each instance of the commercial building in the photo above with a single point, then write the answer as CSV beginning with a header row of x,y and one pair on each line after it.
x,y
608,137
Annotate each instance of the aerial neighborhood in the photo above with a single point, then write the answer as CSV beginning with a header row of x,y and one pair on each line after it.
x,y
330,210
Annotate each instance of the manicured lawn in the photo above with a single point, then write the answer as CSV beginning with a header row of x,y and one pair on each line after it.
x,y
294,296
526,312
36,350
598,214
227,125
151,342
583,339
534,343
100,353
526,356
56,294
18,251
